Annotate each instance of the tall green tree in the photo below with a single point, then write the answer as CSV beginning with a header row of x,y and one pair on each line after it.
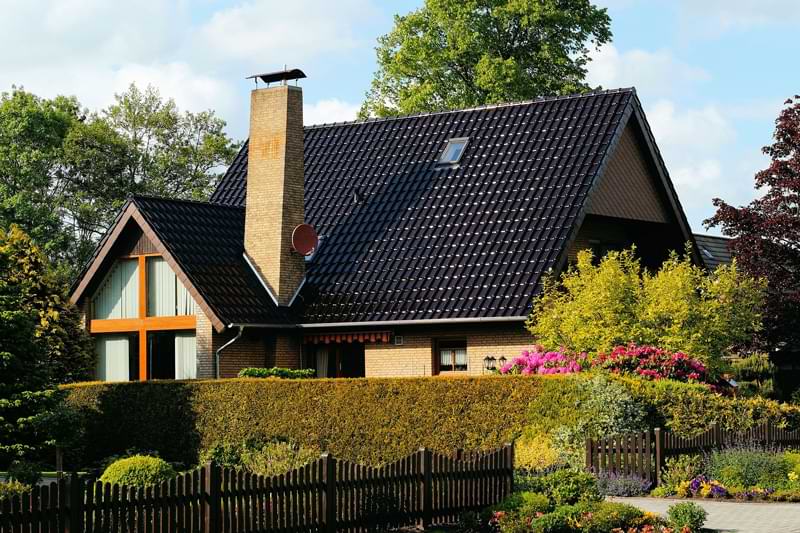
x,y
453,54
42,344
65,171
765,234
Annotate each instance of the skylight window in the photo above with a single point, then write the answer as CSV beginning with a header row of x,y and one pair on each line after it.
x,y
453,151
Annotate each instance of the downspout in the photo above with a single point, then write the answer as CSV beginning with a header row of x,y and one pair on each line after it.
x,y
219,350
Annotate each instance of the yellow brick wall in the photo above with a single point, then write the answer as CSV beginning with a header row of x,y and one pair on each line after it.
x,y
415,356
204,335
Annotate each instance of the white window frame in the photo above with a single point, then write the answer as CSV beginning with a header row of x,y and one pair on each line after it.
x,y
451,142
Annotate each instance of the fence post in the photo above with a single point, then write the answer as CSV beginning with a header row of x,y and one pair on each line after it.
x,y
509,455
75,502
329,469
589,458
426,463
659,439
59,462
212,498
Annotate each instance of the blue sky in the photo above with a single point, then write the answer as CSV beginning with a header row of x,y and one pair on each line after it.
x,y
711,74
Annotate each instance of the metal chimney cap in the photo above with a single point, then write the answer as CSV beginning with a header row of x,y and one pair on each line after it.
x,y
281,75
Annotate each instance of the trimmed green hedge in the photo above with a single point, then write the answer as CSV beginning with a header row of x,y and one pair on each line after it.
x,y
371,420
275,372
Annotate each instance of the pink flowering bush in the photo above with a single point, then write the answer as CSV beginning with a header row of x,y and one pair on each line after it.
x,y
537,360
652,363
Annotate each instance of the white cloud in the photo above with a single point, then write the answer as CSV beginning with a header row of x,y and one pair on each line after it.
x,y
716,16
327,111
654,74
274,32
693,131
693,143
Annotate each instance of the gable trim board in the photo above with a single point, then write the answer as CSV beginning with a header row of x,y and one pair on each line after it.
x,y
131,212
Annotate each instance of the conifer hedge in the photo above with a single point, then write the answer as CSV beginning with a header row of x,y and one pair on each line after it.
x,y
373,420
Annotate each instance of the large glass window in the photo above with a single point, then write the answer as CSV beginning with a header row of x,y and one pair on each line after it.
x,y
166,295
118,295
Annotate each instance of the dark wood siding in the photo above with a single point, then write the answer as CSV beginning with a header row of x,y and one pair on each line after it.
x,y
653,240
629,187
135,242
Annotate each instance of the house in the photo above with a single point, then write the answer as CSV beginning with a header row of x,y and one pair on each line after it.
x,y
435,232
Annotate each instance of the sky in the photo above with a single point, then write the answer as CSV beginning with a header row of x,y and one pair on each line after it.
x,y
712,74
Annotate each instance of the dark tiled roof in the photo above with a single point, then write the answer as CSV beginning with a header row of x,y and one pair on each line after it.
x,y
713,250
433,242
207,242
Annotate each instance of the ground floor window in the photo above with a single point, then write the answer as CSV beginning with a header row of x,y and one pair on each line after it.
x,y
451,354
170,355
336,360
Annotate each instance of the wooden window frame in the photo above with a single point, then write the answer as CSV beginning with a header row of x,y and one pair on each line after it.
x,y
438,343
143,324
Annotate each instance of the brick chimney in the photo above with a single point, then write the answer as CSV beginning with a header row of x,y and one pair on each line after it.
x,y
274,204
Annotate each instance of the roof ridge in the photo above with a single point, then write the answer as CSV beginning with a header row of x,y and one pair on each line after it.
x,y
539,100
136,197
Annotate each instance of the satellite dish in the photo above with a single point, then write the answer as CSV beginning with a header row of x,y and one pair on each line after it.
x,y
304,239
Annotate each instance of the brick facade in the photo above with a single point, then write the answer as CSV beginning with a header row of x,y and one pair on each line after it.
x,y
275,187
416,356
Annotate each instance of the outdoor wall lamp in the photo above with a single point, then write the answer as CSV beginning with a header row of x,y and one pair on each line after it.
x,y
489,363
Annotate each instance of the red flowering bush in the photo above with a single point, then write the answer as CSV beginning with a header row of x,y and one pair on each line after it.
x,y
537,360
652,363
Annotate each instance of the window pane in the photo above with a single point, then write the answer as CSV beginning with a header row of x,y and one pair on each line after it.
x,y
113,361
446,357
118,295
185,355
161,297
461,357
453,150
322,362
166,296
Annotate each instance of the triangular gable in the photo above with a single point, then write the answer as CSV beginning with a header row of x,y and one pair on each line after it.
x,y
103,257
627,189
632,161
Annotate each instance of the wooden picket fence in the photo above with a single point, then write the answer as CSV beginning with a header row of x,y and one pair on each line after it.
x,y
327,495
643,454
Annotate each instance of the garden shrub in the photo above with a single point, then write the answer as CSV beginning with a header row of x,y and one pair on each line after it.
x,y
612,484
25,472
277,457
9,489
606,409
263,458
755,375
565,487
680,469
535,453
138,471
686,514
653,363
537,360
748,466
595,306
607,516
180,420
276,372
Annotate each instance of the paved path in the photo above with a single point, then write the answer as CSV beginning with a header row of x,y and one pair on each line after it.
x,y
738,517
